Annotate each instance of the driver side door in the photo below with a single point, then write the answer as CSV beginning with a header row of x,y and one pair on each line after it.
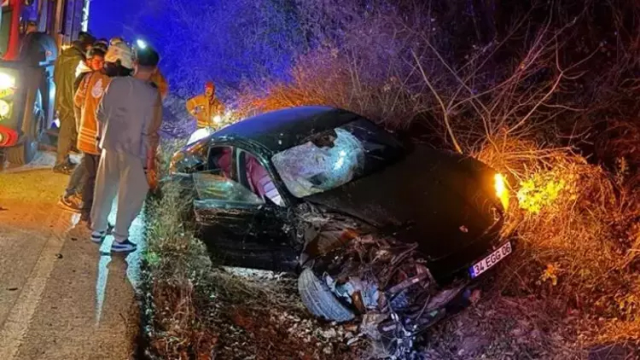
x,y
239,227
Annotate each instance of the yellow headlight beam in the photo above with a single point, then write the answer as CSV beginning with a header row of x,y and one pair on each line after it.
x,y
5,108
501,190
7,81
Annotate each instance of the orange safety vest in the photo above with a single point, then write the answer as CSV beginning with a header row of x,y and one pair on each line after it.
x,y
88,99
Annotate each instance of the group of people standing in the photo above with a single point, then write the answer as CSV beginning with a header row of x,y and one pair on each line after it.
x,y
109,101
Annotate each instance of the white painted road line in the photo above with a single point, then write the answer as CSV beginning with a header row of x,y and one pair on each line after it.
x,y
17,323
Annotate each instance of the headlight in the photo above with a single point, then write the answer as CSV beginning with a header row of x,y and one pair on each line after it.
x,y
5,108
501,190
7,81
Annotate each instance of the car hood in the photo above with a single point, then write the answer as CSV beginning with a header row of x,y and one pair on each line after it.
x,y
443,201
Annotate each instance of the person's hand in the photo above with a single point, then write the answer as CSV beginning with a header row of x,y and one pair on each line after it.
x,y
151,171
152,178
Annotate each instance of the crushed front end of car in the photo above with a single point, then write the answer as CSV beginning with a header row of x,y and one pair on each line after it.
x,y
384,282
387,278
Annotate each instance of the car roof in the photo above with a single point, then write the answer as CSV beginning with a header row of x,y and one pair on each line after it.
x,y
282,129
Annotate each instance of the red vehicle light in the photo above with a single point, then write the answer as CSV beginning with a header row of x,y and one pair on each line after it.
x,y
8,137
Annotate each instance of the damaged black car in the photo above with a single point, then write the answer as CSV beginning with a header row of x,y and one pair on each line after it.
x,y
376,229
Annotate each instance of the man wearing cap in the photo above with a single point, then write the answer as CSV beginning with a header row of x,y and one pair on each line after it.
x,y
206,107
129,116
90,93
157,79
119,60
115,40
64,77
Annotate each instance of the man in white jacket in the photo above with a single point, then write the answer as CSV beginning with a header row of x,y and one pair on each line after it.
x,y
129,117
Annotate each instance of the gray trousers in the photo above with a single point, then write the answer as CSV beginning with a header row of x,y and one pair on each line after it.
x,y
120,174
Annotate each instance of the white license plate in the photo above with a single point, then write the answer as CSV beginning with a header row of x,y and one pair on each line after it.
x,y
488,262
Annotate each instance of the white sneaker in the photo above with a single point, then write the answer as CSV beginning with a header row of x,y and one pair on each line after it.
x,y
123,247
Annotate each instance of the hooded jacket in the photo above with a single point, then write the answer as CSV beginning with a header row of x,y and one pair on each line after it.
x,y
64,77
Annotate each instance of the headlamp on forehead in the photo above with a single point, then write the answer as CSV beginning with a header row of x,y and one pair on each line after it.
x,y
141,44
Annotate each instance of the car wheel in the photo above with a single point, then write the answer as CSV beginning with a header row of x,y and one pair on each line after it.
x,y
319,299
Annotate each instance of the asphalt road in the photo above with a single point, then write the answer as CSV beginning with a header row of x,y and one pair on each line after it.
x,y
61,296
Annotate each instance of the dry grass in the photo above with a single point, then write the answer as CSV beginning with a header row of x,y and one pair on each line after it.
x,y
577,232
196,310
334,82
176,264
575,223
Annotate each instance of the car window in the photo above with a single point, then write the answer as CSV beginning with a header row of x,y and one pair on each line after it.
x,y
220,159
215,188
336,157
257,178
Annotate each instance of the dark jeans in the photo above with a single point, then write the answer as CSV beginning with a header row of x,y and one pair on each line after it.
x,y
90,164
76,181
66,137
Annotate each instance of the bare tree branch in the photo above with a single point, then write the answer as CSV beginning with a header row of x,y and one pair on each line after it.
x,y
444,108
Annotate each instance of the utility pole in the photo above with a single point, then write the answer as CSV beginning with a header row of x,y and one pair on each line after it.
x,y
85,15
57,27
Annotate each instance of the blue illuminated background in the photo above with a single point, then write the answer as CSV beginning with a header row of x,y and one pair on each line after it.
x,y
228,42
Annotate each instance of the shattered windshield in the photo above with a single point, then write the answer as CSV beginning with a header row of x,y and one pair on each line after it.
x,y
333,158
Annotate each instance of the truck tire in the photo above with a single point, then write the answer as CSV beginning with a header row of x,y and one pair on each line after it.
x,y
319,300
25,152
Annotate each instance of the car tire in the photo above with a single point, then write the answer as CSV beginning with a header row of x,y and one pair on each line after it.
x,y
319,299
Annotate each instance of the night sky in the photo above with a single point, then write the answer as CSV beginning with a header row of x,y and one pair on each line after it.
x,y
109,18
228,42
